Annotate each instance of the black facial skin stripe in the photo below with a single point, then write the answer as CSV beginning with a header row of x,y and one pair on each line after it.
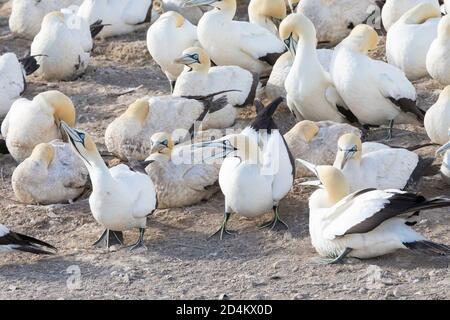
x,y
75,146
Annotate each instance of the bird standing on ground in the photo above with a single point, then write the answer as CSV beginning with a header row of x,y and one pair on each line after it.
x,y
12,241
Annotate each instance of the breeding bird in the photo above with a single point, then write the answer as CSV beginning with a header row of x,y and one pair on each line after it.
x,y
180,180
438,59
121,199
27,15
119,16
13,72
365,224
51,174
192,14
387,94
12,241
200,79
258,170
393,10
244,44
410,38
390,168
182,34
128,136
445,167
267,13
29,123
437,118
65,47
311,94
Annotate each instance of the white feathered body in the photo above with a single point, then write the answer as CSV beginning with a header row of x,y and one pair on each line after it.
x,y
12,81
437,120
394,9
438,57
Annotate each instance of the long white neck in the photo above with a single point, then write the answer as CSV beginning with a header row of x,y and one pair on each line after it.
x,y
98,172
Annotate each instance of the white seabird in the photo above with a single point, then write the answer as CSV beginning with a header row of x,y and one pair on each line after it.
x,y
12,241
437,118
365,224
121,199
192,14
267,13
438,59
258,171
394,9
244,44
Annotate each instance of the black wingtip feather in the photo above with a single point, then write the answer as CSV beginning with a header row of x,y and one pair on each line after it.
x,y
96,28
21,242
263,120
29,64
422,166
3,147
252,94
429,247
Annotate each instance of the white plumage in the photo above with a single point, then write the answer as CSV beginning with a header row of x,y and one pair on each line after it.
x,y
438,59
437,118
394,9
193,14
266,13
12,81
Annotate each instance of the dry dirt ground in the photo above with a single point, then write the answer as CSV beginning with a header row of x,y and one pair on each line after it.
x,y
180,262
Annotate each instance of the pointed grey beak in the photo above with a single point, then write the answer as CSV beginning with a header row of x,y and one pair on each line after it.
x,y
291,45
186,60
443,149
347,156
71,134
311,167
197,3
224,147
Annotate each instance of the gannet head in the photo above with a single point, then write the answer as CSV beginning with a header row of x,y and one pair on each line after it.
x,y
296,26
274,9
174,16
223,5
334,182
63,108
195,58
363,38
444,27
43,152
293,4
307,130
53,17
82,143
138,111
421,13
349,147
162,143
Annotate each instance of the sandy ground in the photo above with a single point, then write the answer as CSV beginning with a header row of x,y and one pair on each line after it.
x,y
180,262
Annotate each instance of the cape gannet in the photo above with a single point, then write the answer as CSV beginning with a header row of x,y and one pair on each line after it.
x,y
119,16
51,174
258,170
179,179
410,38
390,168
445,167
387,94
167,38
244,44
438,59
394,9
65,47
26,15
365,224
29,123
192,14
267,13
128,137
437,118
121,199
311,94
200,79
13,72
12,241
335,19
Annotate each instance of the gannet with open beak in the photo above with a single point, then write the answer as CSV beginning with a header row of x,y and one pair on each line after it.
x,y
128,136
445,167
244,44
410,38
121,199
180,180
200,79
13,73
365,224
64,47
267,13
438,59
193,14
387,94
51,174
390,168
29,123
119,16
12,241
26,15
311,94
437,118
393,10
167,38
258,170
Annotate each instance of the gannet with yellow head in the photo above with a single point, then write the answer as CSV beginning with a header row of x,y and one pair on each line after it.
x,y
311,94
244,44
393,10
365,224
387,94
121,199
438,59
167,38
16,242
267,13
29,123
410,38
51,174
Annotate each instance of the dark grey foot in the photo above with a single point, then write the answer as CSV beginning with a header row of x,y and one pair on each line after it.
x,y
338,259
109,238
223,231
276,224
140,243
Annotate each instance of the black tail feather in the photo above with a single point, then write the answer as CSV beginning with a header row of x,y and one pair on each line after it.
x,y
428,247
422,166
96,28
264,120
3,147
30,64
21,242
